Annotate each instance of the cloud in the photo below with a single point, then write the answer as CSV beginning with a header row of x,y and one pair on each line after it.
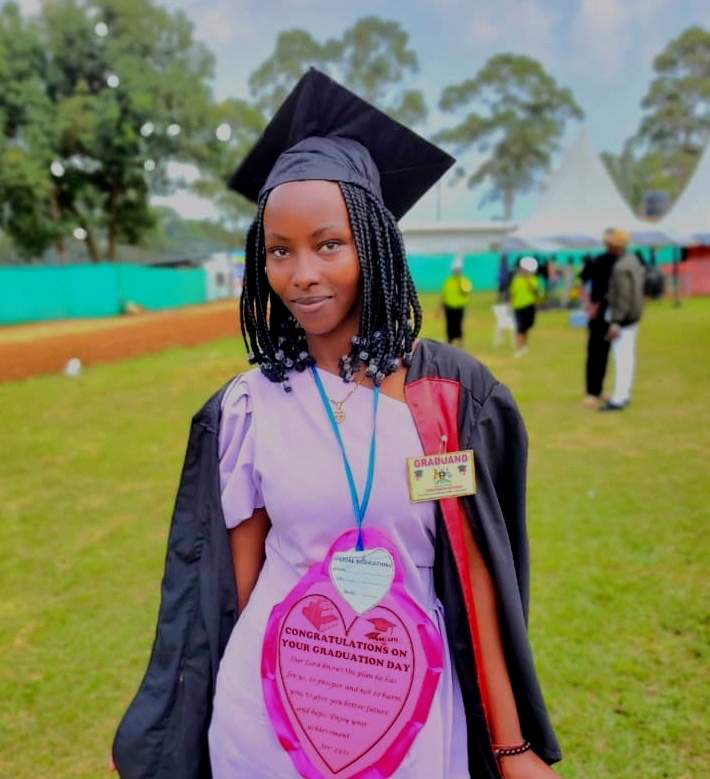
x,y
606,32
29,7
188,205
220,22
526,26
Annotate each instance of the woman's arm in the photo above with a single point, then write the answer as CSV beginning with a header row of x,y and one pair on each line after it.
x,y
501,711
247,541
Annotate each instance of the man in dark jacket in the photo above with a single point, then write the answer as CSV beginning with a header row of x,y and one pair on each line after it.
x,y
595,277
624,314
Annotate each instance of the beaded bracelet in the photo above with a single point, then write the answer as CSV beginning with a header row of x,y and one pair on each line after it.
x,y
519,749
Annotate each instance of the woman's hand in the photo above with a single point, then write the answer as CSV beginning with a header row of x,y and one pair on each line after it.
x,y
526,766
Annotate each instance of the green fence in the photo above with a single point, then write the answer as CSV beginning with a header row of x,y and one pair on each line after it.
x,y
429,271
43,293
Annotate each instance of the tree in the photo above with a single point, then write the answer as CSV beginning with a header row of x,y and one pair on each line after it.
x,y
663,153
372,58
518,118
296,51
239,124
118,88
128,100
28,212
678,100
636,172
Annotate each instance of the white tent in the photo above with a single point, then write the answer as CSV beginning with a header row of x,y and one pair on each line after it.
x,y
578,204
689,219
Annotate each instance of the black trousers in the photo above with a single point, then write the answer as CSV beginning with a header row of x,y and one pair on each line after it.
x,y
597,356
454,323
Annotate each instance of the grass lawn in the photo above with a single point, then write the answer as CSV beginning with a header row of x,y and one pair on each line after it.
x,y
618,523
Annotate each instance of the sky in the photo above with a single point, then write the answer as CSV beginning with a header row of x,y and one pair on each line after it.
x,y
601,49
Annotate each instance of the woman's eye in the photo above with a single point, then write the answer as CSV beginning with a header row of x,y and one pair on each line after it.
x,y
331,245
278,252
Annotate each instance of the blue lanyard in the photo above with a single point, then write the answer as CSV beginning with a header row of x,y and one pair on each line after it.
x,y
358,507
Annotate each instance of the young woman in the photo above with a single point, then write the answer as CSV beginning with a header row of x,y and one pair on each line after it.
x,y
321,616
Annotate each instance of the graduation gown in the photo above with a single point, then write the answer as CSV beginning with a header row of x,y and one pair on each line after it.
x,y
163,734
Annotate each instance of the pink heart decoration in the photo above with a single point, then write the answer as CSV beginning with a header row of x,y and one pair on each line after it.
x,y
348,693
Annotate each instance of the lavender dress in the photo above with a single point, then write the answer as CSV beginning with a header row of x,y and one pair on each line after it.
x,y
278,450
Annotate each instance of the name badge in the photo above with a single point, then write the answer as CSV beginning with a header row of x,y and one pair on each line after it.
x,y
445,475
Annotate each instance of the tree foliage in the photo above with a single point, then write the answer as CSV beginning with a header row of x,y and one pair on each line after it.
x,y
677,104
373,58
296,51
217,158
98,96
662,155
637,173
26,132
514,113
96,116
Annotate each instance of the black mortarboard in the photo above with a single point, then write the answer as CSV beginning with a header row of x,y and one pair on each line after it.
x,y
324,131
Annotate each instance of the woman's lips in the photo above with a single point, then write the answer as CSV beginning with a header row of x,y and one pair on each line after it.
x,y
310,305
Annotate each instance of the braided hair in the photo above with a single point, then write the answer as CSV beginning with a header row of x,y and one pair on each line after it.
x,y
391,313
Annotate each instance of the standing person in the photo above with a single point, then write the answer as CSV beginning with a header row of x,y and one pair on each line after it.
x,y
275,657
624,314
543,276
567,282
524,294
553,279
595,277
454,297
503,278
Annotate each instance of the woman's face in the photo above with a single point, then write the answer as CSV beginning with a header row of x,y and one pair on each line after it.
x,y
311,258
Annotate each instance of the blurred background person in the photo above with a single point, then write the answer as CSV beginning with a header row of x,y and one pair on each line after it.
x,y
504,276
524,294
595,276
624,311
454,297
567,275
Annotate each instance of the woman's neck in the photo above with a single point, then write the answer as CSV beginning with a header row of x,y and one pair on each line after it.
x,y
328,352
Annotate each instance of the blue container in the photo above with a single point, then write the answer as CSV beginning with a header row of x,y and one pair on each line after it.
x,y
578,318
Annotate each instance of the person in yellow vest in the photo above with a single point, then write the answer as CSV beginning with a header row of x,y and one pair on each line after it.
x,y
454,297
524,293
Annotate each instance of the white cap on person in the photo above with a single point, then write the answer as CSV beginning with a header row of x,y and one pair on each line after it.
x,y
529,264
457,264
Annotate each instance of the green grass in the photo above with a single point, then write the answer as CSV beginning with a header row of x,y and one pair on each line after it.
x,y
618,524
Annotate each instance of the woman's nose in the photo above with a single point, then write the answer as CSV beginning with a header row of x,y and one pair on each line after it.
x,y
306,271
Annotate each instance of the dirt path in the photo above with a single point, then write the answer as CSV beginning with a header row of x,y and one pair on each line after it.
x,y
32,350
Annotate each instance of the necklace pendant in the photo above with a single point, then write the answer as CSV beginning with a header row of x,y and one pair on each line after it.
x,y
339,415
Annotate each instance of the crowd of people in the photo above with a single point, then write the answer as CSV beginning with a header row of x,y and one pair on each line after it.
x,y
610,287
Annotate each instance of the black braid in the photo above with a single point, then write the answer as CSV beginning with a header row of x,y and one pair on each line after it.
x,y
391,313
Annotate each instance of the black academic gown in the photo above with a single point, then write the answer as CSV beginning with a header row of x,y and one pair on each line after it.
x,y
163,734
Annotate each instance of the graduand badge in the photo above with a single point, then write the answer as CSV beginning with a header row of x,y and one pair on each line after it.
x,y
445,475
350,662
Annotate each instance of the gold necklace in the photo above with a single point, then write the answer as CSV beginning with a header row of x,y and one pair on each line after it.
x,y
338,412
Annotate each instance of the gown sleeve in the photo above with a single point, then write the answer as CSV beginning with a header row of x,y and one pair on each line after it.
x,y
240,485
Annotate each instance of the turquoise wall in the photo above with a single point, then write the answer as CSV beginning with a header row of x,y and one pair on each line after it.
x,y
43,293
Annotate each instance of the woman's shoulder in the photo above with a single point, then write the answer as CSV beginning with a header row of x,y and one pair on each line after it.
x,y
433,358
241,393
233,397
239,389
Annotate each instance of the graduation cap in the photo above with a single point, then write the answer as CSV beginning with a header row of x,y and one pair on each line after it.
x,y
381,624
323,131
